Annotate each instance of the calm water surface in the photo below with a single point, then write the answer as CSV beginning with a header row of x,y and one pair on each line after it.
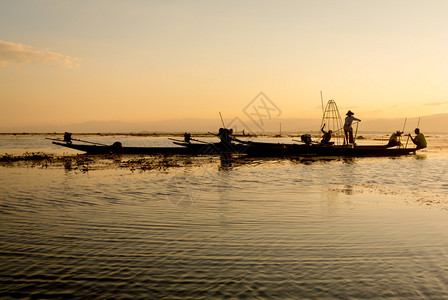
x,y
259,228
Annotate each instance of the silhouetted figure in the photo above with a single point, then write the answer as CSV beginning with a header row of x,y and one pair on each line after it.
x,y
187,137
306,138
225,135
116,147
68,137
348,130
419,139
394,139
326,137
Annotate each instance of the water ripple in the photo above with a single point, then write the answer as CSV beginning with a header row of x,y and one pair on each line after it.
x,y
364,228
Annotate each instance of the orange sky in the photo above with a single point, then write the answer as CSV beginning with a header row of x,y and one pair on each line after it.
x,y
75,61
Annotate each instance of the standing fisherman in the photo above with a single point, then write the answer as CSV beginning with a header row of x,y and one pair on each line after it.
x,y
348,130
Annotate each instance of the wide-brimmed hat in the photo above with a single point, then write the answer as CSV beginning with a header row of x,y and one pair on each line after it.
x,y
350,113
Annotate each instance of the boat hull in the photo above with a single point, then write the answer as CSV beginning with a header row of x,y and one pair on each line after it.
x,y
271,149
251,149
96,149
186,149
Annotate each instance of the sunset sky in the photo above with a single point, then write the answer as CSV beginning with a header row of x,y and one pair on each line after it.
x,y
139,60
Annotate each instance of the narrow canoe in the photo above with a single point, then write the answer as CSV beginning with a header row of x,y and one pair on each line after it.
x,y
251,149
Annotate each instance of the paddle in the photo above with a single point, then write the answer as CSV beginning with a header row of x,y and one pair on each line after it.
x,y
90,142
224,125
59,140
242,142
404,126
200,141
409,135
176,140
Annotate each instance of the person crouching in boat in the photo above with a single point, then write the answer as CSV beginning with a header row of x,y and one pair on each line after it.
x,y
187,137
348,130
419,139
326,136
68,137
225,135
306,138
394,139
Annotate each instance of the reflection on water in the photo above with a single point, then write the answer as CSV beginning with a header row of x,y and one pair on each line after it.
x,y
210,227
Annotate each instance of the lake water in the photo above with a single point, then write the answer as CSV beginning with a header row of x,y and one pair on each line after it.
x,y
194,228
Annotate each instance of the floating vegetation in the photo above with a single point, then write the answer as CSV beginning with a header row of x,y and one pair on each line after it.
x,y
44,160
156,163
87,163
38,156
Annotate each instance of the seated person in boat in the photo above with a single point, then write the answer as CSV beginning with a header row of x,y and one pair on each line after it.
x,y
225,135
68,137
326,136
419,139
348,130
306,138
187,137
394,139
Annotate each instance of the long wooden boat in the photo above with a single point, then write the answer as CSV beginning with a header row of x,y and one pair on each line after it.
x,y
104,149
364,150
280,149
251,149
182,149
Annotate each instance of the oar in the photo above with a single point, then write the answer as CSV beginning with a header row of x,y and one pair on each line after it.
x,y
224,125
242,142
59,140
200,141
418,124
356,133
322,102
404,124
89,142
176,140
407,141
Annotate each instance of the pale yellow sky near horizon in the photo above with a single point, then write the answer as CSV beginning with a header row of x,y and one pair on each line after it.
x,y
76,61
